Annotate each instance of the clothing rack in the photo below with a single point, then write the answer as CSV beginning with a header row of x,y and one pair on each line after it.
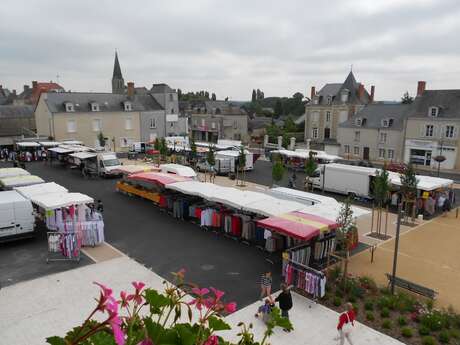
x,y
305,279
63,246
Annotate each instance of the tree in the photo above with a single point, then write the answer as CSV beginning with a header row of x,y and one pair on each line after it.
x,y
179,94
380,192
163,148
193,151
102,139
242,164
254,96
346,227
259,95
206,95
298,95
408,188
310,168
211,160
157,144
278,108
406,98
277,170
213,96
289,125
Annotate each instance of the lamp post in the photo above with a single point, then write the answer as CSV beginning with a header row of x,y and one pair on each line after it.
x,y
395,257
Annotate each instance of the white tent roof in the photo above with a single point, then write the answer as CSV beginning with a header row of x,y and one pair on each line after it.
x,y
40,189
76,148
331,211
300,196
273,206
178,169
56,200
49,143
232,153
10,172
60,150
426,183
28,144
305,154
17,181
83,155
204,190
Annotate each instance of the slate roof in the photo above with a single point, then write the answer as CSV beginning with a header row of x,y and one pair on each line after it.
x,y
107,101
335,89
448,102
161,88
376,112
261,122
16,111
116,68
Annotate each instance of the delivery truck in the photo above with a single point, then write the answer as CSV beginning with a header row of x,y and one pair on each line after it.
x,y
17,218
234,155
345,179
104,164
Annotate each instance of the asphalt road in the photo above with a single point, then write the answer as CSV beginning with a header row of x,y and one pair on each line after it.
x,y
164,244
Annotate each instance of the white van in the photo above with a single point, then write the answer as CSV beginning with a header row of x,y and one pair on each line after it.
x,y
178,169
103,164
16,216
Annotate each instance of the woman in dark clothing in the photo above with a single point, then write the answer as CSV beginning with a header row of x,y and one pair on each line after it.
x,y
285,302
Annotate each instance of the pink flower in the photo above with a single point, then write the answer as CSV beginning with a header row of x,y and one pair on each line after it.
x,y
106,296
200,292
230,307
138,286
198,302
105,290
212,340
125,298
118,334
217,293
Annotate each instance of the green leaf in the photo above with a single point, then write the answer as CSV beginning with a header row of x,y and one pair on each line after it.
x,y
56,341
217,324
102,338
169,336
153,329
156,301
187,334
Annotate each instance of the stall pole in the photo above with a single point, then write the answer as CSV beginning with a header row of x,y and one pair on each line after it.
x,y
395,257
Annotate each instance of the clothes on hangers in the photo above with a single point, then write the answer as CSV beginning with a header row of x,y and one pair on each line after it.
x,y
304,278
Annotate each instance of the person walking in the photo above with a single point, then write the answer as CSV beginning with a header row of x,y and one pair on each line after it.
x,y
100,206
346,325
266,285
285,302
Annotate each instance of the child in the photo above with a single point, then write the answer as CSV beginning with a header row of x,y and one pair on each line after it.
x,y
265,310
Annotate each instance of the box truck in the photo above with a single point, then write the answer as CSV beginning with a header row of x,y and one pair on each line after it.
x,y
17,218
234,156
104,164
345,179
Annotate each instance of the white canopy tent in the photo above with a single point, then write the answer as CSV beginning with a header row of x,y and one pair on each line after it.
x,y
135,168
27,144
18,181
272,206
83,155
40,189
426,183
60,150
72,142
305,154
58,200
11,172
49,143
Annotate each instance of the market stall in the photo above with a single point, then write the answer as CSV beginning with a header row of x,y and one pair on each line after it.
x,y
12,172
40,189
8,183
28,151
298,157
136,168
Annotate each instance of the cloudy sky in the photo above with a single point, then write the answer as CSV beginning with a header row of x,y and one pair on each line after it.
x,y
231,47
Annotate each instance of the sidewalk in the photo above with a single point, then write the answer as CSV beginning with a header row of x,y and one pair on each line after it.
x,y
51,305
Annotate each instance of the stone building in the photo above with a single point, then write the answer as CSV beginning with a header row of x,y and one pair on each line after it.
x,y
335,103
16,121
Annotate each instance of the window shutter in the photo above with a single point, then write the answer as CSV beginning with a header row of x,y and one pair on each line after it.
x,y
455,131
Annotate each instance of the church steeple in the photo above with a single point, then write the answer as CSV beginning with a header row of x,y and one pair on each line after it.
x,y
118,83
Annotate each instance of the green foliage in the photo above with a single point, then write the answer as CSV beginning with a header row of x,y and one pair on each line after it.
x,y
402,321
406,98
428,340
217,324
444,336
337,301
435,321
381,187
194,96
385,312
339,293
386,324
429,304
370,316
408,183
242,158
352,299
368,283
310,166
335,272
455,333
278,108
277,171
369,305
385,291
193,149
163,147
407,332
101,139
424,330
157,144
210,158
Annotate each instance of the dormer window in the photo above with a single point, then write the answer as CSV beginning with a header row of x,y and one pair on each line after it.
x,y
390,122
344,95
69,107
387,123
128,106
329,99
359,122
433,112
94,106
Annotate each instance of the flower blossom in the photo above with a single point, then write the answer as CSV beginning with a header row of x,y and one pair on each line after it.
x,y
230,307
212,340
137,295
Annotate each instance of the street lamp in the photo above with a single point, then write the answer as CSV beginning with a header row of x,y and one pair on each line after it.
x,y
395,257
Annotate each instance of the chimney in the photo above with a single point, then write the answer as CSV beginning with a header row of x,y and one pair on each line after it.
x,y
34,85
421,87
372,93
130,89
313,92
361,91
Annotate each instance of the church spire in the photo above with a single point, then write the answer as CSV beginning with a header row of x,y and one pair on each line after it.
x,y
118,84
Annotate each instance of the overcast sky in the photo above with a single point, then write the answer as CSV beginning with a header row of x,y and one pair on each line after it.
x,y
230,47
